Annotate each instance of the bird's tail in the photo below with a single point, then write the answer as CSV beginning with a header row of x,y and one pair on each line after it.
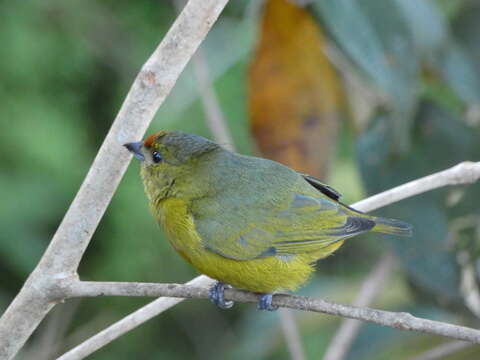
x,y
392,226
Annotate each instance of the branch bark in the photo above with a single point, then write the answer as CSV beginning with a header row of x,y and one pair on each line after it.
x,y
57,268
466,172
402,321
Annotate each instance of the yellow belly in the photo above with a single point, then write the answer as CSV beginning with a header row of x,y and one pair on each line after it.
x,y
264,275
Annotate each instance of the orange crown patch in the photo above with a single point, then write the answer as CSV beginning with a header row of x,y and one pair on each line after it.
x,y
149,140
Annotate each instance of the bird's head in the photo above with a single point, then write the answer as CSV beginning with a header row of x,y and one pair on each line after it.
x,y
175,148
167,155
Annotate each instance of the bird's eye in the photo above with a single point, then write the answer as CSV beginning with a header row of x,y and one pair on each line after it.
x,y
156,157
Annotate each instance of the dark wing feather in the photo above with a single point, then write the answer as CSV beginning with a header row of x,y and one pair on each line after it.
x,y
323,188
327,190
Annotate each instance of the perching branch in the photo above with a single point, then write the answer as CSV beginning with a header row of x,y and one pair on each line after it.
x,y
463,173
403,321
57,268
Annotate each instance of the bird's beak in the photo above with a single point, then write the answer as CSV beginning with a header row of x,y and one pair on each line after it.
x,y
136,149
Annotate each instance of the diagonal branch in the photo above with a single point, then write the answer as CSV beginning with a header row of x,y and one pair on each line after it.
x,y
58,266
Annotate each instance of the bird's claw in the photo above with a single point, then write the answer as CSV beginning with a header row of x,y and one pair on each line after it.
x,y
216,295
265,303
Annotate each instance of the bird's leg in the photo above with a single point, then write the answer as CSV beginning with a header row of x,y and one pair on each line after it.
x,y
217,295
265,303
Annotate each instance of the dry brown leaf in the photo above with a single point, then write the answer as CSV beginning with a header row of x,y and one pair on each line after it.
x,y
294,91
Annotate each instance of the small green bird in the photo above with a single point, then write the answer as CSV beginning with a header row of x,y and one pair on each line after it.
x,y
245,221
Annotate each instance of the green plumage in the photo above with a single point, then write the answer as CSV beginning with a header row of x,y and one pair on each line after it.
x,y
267,210
243,220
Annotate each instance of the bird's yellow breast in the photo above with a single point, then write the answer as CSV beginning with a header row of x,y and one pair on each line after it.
x,y
264,275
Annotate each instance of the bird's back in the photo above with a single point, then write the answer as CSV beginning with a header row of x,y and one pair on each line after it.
x,y
255,223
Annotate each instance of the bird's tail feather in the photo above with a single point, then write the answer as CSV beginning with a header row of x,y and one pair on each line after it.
x,y
392,226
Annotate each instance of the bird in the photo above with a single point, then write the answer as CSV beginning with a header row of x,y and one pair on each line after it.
x,y
247,222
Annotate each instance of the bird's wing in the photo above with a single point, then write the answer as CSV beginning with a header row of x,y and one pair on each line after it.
x,y
299,224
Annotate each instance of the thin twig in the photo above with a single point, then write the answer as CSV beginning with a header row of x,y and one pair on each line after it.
x,y
346,333
463,173
214,116
397,320
466,172
292,335
442,351
58,266
213,112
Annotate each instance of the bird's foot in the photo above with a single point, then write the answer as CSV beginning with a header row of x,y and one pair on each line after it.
x,y
265,303
217,295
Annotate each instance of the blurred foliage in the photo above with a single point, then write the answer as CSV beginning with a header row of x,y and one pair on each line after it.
x,y
66,67
429,256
